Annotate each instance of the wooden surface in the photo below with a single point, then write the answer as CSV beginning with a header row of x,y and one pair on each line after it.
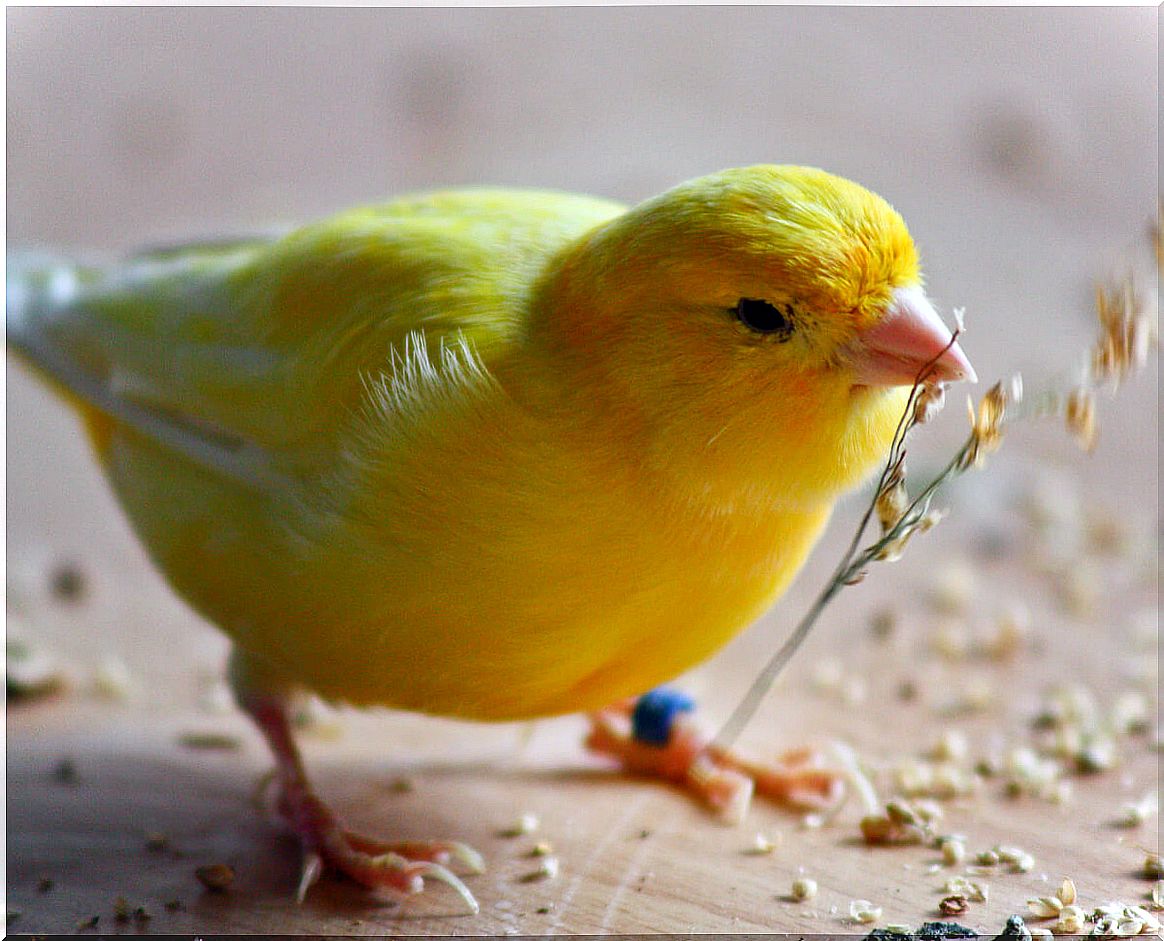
x,y
635,855
1019,145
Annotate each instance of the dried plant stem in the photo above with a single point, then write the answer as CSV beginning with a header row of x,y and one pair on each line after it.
x,y
852,565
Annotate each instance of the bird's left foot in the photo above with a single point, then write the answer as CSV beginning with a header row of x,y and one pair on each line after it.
x,y
658,735
402,866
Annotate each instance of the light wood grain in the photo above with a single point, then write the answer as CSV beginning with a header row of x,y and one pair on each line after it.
x,y
1019,145
635,855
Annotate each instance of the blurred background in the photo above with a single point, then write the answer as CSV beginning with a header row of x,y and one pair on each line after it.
x,y
1020,144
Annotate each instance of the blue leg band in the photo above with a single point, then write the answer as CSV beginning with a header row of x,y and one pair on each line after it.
x,y
655,712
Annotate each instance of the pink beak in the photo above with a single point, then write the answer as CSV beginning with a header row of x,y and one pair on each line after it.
x,y
894,351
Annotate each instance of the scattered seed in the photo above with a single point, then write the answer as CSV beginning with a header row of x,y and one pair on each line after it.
x,y
1134,814
1011,630
1079,589
1128,927
67,582
120,910
953,587
953,905
524,824
827,675
1158,893
543,910
1046,906
881,830
853,690
210,741
65,771
541,849
1039,932
951,639
951,746
986,858
1153,866
216,877
113,680
1130,715
1066,893
30,672
804,889
761,846
1151,922
863,911
928,810
548,868
882,623
953,852
974,891
1025,863
900,813
86,923
156,842
1070,920
1097,756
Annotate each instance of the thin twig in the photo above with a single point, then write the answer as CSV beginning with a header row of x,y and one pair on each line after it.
x,y
846,569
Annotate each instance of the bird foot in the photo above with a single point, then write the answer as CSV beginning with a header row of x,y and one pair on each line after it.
x,y
676,748
400,866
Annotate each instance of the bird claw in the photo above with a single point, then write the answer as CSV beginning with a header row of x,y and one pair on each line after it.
x,y
441,874
721,779
309,875
402,867
375,864
430,851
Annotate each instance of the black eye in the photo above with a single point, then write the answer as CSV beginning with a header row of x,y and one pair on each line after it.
x,y
763,317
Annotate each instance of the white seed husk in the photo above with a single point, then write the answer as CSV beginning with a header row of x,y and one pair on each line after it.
x,y
1045,906
953,852
864,911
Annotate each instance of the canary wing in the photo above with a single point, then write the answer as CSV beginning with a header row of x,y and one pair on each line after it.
x,y
251,356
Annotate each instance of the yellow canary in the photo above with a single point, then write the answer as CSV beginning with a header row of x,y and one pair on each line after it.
x,y
491,453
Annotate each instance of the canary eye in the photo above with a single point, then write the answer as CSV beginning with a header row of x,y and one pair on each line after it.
x,y
763,317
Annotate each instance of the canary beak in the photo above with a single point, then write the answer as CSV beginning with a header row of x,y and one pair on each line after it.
x,y
894,351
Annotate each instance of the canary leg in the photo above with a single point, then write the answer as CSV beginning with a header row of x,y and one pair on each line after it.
x,y
327,844
657,735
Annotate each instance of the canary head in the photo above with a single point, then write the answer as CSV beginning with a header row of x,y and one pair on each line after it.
x,y
751,334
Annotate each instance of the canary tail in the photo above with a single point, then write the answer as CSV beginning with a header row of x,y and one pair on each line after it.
x,y
38,287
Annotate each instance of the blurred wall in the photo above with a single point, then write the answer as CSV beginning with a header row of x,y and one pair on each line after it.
x,y
1020,145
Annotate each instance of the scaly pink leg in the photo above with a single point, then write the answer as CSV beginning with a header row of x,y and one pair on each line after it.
x,y
402,866
721,779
